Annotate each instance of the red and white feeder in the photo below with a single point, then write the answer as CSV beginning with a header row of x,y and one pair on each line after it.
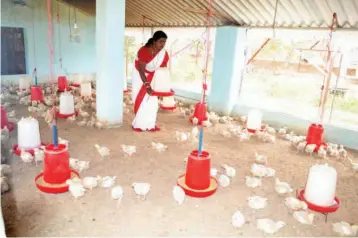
x,y
4,121
37,94
168,103
199,113
161,83
62,84
67,106
197,182
28,136
86,89
254,121
315,136
320,191
73,80
24,83
56,170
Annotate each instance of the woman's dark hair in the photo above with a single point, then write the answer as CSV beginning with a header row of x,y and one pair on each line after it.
x,y
156,36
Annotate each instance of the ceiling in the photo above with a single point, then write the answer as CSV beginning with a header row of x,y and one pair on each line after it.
x,y
248,13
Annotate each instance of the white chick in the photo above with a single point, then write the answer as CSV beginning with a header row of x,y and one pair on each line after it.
x,y
295,204
345,229
83,113
195,121
117,193
181,136
178,194
237,219
207,123
108,181
270,130
141,189
159,146
26,156
258,170
309,149
261,159
82,123
226,133
73,163
195,132
282,187
268,226
230,171
301,146
342,152
63,141
252,182
82,165
257,202
102,151
224,181
304,217
5,169
129,149
11,114
270,172
77,190
39,155
282,131
268,138
322,153
4,184
72,118
213,172
90,182
244,135
334,152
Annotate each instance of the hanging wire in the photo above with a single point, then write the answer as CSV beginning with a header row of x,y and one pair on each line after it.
x,y
34,43
59,32
69,21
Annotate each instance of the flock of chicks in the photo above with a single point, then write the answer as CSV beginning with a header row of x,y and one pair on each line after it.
x,y
259,170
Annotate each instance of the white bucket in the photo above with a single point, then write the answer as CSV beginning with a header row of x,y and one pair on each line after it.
x,y
67,104
168,101
86,89
161,81
254,120
28,133
321,185
24,82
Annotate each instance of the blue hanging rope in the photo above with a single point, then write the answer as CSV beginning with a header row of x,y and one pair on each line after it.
x,y
201,141
54,135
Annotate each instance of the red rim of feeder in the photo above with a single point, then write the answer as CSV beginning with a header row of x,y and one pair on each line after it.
x,y
199,112
17,150
168,108
317,208
77,85
59,115
127,90
18,90
61,91
254,130
198,193
53,188
10,126
163,94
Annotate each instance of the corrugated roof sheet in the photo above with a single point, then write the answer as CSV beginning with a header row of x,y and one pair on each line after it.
x,y
248,13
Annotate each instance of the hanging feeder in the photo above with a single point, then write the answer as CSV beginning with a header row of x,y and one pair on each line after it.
x,y
4,121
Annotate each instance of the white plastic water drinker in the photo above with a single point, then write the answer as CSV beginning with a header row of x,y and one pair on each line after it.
x,y
86,89
168,101
161,81
28,133
321,185
67,105
254,120
24,82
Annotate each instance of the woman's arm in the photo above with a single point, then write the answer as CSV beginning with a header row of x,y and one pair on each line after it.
x,y
141,69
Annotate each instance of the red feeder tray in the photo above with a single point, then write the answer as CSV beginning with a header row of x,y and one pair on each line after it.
x,y
17,150
4,121
316,208
162,94
197,181
315,136
199,112
77,85
168,108
59,115
254,131
36,94
53,188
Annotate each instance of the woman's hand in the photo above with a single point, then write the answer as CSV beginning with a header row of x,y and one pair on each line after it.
x,y
149,89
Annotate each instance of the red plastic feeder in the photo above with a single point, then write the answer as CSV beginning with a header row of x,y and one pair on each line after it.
x,y
168,108
163,94
254,131
17,150
77,85
315,136
62,84
36,94
199,112
4,121
59,115
56,170
197,181
324,210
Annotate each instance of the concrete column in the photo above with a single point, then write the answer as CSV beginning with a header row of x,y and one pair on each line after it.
x,y
228,67
110,25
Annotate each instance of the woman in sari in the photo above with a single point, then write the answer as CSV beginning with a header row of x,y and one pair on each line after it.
x,y
150,57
